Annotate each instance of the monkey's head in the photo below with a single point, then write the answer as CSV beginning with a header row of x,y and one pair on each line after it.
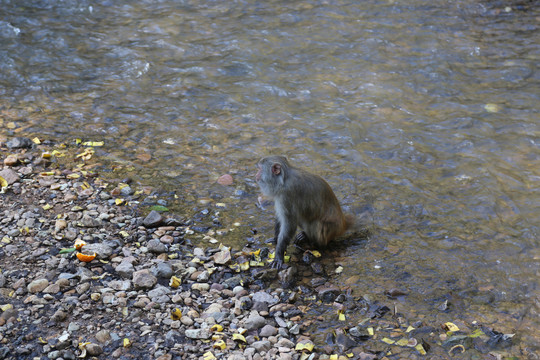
x,y
272,174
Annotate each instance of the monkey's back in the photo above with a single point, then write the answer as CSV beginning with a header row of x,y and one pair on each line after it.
x,y
320,215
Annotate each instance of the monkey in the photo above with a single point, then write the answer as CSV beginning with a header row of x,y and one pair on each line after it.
x,y
301,199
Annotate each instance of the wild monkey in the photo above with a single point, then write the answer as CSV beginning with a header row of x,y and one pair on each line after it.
x,y
301,199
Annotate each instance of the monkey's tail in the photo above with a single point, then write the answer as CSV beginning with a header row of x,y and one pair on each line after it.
x,y
350,221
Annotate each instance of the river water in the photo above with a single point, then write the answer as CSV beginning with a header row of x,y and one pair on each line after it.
x,y
423,116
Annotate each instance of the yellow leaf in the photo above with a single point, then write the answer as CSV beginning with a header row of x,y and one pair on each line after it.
x,y
420,349
57,153
208,356
287,258
125,311
388,341
370,331
46,155
216,327
175,282
73,176
339,270
316,253
124,233
402,342
42,341
341,316
46,173
6,307
126,342
78,141
409,329
176,314
118,201
239,337
244,266
46,206
220,345
3,182
308,346
36,141
334,357
93,143
451,327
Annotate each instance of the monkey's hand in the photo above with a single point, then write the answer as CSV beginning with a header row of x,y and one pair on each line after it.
x,y
277,263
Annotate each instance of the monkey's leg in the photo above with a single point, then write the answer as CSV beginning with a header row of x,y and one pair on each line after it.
x,y
300,238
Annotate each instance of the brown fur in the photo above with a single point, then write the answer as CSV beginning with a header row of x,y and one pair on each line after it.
x,y
301,200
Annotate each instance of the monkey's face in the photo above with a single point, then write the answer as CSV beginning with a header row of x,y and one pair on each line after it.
x,y
269,176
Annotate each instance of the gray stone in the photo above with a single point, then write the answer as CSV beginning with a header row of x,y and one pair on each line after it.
x,y
120,285
263,345
268,330
94,349
59,316
19,143
254,322
143,279
198,334
159,294
10,176
2,280
103,336
153,219
262,296
222,257
163,270
125,269
37,285
102,251
157,247
89,221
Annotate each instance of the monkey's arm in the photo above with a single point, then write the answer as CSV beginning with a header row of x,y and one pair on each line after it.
x,y
286,232
276,231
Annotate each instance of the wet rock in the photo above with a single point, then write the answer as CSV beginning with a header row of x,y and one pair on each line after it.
x,y
200,334
262,345
163,270
254,321
287,277
153,219
125,269
143,279
11,160
89,221
268,330
156,247
344,342
10,176
37,285
327,293
225,180
94,349
222,257
19,143
103,336
59,316
262,296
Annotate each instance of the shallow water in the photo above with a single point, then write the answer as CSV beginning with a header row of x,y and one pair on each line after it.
x,y
422,116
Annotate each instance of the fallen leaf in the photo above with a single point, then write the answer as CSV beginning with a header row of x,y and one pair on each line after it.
x,y
176,314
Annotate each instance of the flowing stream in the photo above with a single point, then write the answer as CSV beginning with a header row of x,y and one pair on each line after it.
x,y
423,116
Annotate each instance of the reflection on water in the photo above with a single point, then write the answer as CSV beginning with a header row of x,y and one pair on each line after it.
x,y
423,117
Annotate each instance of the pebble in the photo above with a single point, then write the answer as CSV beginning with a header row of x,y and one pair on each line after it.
x,y
125,269
143,279
37,285
254,321
156,247
9,175
153,219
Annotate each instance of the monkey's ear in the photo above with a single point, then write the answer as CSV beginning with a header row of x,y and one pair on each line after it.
x,y
276,169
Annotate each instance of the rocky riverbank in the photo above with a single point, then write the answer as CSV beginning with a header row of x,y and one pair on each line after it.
x,y
85,274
